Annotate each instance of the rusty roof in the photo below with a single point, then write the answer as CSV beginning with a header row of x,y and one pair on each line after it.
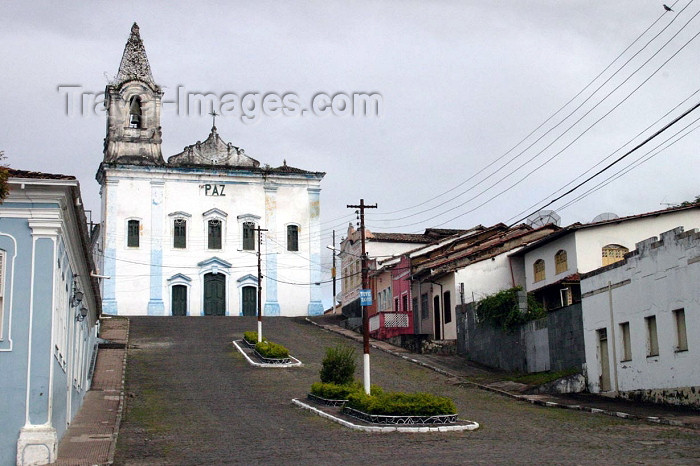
x,y
14,173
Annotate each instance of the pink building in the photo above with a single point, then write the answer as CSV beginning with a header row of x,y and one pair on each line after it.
x,y
391,314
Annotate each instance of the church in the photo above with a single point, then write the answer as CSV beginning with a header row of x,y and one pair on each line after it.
x,y
185,236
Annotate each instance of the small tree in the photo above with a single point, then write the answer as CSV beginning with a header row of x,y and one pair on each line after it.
x,y
338,366
501,310
4,174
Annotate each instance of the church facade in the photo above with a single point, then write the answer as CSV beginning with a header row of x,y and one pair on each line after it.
x,y
184,236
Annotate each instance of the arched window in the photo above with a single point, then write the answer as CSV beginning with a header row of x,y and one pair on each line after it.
x,y
613,253
135,112
538,267
292,238
560,263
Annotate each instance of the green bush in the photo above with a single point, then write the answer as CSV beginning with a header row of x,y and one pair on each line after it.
x,y
401,404
251,337
271,350
501,310
338,366
331,391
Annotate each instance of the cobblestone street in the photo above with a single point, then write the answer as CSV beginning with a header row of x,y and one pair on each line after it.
x,y
193,399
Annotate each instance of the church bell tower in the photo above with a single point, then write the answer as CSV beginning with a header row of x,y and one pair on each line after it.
x,y
133,103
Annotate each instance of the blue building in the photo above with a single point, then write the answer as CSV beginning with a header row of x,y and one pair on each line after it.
x,y
49,308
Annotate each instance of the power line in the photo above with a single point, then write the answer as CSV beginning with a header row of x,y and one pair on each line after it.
x,y
610,165
550,118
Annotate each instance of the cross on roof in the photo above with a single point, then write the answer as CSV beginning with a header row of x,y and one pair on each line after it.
x,y
213,115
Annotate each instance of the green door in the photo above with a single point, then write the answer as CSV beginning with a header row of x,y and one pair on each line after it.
x,y
250,301
214,295
179,300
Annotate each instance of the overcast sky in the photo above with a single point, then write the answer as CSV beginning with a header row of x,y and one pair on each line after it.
x,y
461,84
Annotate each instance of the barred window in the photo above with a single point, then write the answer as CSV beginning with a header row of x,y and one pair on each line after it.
x,y
214,234
180,233
133,227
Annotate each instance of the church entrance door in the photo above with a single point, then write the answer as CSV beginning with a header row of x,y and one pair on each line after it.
x,y
179,300
214,295
250,301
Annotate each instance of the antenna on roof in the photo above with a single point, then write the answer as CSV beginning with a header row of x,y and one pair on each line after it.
x,y
542,218
605,216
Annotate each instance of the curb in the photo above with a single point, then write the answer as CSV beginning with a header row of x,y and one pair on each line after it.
x,y
120,409
264,364
385,429
543,403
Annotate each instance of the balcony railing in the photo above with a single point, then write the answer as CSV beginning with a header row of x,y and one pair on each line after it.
x,y
386,324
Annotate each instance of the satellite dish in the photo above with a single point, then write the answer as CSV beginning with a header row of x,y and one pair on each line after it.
x,y
605,216
542,218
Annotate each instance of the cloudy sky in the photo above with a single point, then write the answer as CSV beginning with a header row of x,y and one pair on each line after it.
x,y
462,85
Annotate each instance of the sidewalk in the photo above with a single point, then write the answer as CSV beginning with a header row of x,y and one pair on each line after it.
x,y
464,372
92,436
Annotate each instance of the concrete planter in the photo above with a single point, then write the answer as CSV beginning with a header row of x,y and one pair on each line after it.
x,y
403,420
272,360
325,401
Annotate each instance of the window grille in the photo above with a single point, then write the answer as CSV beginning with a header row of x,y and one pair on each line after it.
x,y
214,234
133,227
180,233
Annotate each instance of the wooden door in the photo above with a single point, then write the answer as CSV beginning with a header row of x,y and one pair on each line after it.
x,y
214,295
250,301
604,360
179,300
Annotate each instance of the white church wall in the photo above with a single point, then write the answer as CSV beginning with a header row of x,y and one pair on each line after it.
x,y
656,282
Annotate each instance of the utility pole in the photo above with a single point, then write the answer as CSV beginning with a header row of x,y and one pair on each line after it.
x,y
365,317
333,273
260,277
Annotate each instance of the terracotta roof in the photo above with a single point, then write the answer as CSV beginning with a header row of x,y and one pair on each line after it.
x,y
482,249
400,237
38,175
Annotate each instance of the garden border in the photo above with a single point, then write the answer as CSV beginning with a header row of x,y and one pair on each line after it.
x,y
471,425
295,363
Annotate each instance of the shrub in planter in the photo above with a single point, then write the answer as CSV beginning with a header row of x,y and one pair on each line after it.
x,y
331,391
401,404
251,337
271,350
338,366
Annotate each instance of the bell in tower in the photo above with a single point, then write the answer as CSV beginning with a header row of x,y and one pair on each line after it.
x,y
133,103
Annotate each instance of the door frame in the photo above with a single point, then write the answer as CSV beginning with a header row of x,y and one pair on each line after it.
x,y
180,279
255,296
187,298
604,360
225,281
247,280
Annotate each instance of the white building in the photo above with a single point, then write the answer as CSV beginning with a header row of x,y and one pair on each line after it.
x,y
181,238
49,306
551,265
641,319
